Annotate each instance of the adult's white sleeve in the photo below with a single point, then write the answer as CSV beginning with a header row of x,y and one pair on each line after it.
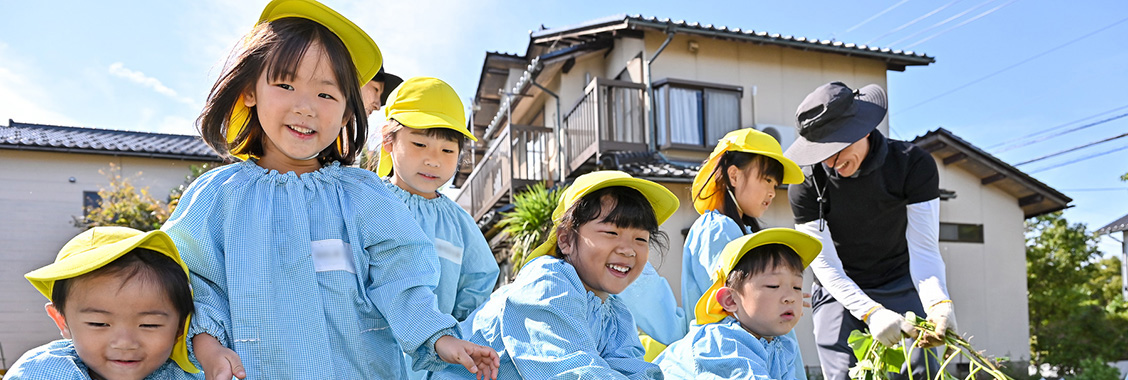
x,y
827,267
926,266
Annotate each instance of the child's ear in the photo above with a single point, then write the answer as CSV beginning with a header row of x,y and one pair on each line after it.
x,y
564,241
734,174
60,322
727,298
249,98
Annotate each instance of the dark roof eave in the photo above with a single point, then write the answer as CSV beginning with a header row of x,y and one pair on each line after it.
x,y
944,136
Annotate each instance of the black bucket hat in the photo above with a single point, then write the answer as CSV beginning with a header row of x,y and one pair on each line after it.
x,y
833,117
391,81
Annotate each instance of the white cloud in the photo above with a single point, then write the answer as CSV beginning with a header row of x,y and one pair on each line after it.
x,y
118,69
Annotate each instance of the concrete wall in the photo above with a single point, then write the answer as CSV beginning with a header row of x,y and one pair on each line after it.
x,y
38,202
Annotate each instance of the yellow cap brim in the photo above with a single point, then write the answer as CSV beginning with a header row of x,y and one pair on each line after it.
x,y
709,309
664,202
73,263
704,189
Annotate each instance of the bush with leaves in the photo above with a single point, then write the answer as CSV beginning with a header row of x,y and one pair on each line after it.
x,y
529,222
1073,314
122,204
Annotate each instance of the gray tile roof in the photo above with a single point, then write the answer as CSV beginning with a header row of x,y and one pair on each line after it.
x,y
27,136
1118,225
895,59
649,165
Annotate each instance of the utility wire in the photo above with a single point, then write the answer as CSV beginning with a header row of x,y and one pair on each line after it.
x,y
1039,55
926,15
1114,150
1044,138
875,16
1100,188
945,21
1029,135
990,11
1072,149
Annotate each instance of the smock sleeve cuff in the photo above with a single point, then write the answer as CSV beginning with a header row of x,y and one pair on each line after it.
x,y
427,358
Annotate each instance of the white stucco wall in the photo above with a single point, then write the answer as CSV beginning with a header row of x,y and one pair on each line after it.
x,y
38,203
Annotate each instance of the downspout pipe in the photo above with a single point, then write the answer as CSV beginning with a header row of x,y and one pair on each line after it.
x,y
559,134
651,111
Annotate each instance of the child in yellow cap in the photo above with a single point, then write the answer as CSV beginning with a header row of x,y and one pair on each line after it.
x,y
755,299
302,266
423,140
121,300
561,317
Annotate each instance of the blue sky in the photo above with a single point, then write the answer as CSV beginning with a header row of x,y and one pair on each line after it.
x,y
1004,68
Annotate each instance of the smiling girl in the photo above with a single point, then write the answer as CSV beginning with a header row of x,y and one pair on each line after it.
x,y
302,266
561,318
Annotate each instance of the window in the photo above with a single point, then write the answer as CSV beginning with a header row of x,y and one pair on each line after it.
x,y
964,233
90,200
695,114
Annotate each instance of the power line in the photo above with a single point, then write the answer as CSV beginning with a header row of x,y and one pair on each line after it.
x,y
875,16
1100,188
990,11
1023,137
1072,149
945,21
1044,138
1114,150
980,79
926,15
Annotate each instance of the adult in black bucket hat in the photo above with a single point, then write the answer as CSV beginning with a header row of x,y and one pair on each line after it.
x,y
874,204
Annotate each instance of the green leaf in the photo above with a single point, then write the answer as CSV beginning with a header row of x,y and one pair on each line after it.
x,y
860,342
893,360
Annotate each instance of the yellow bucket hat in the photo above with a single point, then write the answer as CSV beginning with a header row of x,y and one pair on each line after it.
x,y
661,199
708,309
423,103
742,140
364,52
99,246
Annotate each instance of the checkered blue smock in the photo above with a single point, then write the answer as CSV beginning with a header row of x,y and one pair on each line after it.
x,y
58,360
655,310
703,245
314,276
724,350
469,270
546,325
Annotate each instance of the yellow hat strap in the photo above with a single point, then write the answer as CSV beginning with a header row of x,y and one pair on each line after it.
x,y
708,309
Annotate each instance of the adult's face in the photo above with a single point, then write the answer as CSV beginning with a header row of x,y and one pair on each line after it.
x,y
849,160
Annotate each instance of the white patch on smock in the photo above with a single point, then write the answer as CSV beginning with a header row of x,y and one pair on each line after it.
x,y
332,254
448,251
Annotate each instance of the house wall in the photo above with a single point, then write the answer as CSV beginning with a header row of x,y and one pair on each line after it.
x,y
38,203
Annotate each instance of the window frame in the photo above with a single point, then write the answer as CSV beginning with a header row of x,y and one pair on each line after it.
x,y
974,237
665,84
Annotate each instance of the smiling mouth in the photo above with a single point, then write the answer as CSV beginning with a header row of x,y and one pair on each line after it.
x,y
619,269
301,130
428,176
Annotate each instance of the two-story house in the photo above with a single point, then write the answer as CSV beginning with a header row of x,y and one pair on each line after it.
x,y
651,96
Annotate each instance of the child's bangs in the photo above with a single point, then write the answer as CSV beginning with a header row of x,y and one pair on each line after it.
x,y
295,36
760,260
629,209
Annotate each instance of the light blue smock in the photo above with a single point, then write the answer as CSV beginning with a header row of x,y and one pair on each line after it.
x,y
58,360
724,350
317,276
703,245
656,312
468,268
547,325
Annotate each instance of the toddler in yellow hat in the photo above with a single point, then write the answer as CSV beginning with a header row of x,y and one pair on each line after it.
x,y
422,142
121,300
755,300
561,317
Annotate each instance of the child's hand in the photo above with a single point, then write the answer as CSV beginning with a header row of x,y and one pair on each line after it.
x,y
480,360
807,300
219,362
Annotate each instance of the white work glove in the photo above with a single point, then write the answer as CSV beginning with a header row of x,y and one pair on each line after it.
x,y
943,316
887,326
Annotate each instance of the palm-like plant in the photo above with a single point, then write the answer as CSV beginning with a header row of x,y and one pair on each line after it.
x,y
530,220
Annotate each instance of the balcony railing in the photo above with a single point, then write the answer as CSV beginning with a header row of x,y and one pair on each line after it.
x,y
610,116
518,157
